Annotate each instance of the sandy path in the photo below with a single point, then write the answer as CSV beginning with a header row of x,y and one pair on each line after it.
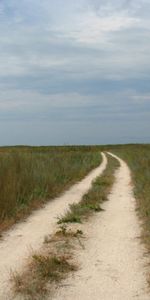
x,y
113,262
18,242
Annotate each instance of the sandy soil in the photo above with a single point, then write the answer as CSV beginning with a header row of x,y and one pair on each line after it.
x,y
113,263
28,236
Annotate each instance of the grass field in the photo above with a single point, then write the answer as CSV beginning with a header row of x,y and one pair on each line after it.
x,y
31,175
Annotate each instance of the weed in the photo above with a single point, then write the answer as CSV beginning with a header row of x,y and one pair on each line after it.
x,y
72,216
51,267
44,268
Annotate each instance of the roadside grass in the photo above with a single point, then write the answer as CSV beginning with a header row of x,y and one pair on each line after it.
x,y
138,159
29,176
92,200
56,259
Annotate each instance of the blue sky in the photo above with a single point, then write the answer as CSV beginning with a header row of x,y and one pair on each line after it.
x,y
74,72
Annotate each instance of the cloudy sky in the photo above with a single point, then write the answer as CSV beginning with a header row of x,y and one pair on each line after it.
x,y
74,72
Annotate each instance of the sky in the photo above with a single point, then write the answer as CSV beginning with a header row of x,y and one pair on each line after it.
x,y
74,72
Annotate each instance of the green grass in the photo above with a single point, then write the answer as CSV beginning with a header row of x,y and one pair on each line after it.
x,y
29,176
95,196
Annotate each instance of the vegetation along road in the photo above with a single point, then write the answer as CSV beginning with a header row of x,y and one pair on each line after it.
x,y
111,258
112,263
28,236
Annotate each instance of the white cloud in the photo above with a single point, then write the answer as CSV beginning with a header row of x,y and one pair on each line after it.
x,y
89,27
141,98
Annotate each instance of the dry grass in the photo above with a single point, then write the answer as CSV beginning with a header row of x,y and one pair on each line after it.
x,y
30,176
44,268
47,268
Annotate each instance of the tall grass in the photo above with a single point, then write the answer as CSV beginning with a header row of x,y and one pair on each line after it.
x,y
30,176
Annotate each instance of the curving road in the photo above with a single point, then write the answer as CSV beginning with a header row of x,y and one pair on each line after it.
x,y
29,235
113,264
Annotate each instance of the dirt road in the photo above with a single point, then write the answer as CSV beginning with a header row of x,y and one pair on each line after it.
x,y
29,235
112,266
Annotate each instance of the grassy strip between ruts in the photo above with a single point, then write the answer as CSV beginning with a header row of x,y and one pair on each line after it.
x,y
94,197
47,268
